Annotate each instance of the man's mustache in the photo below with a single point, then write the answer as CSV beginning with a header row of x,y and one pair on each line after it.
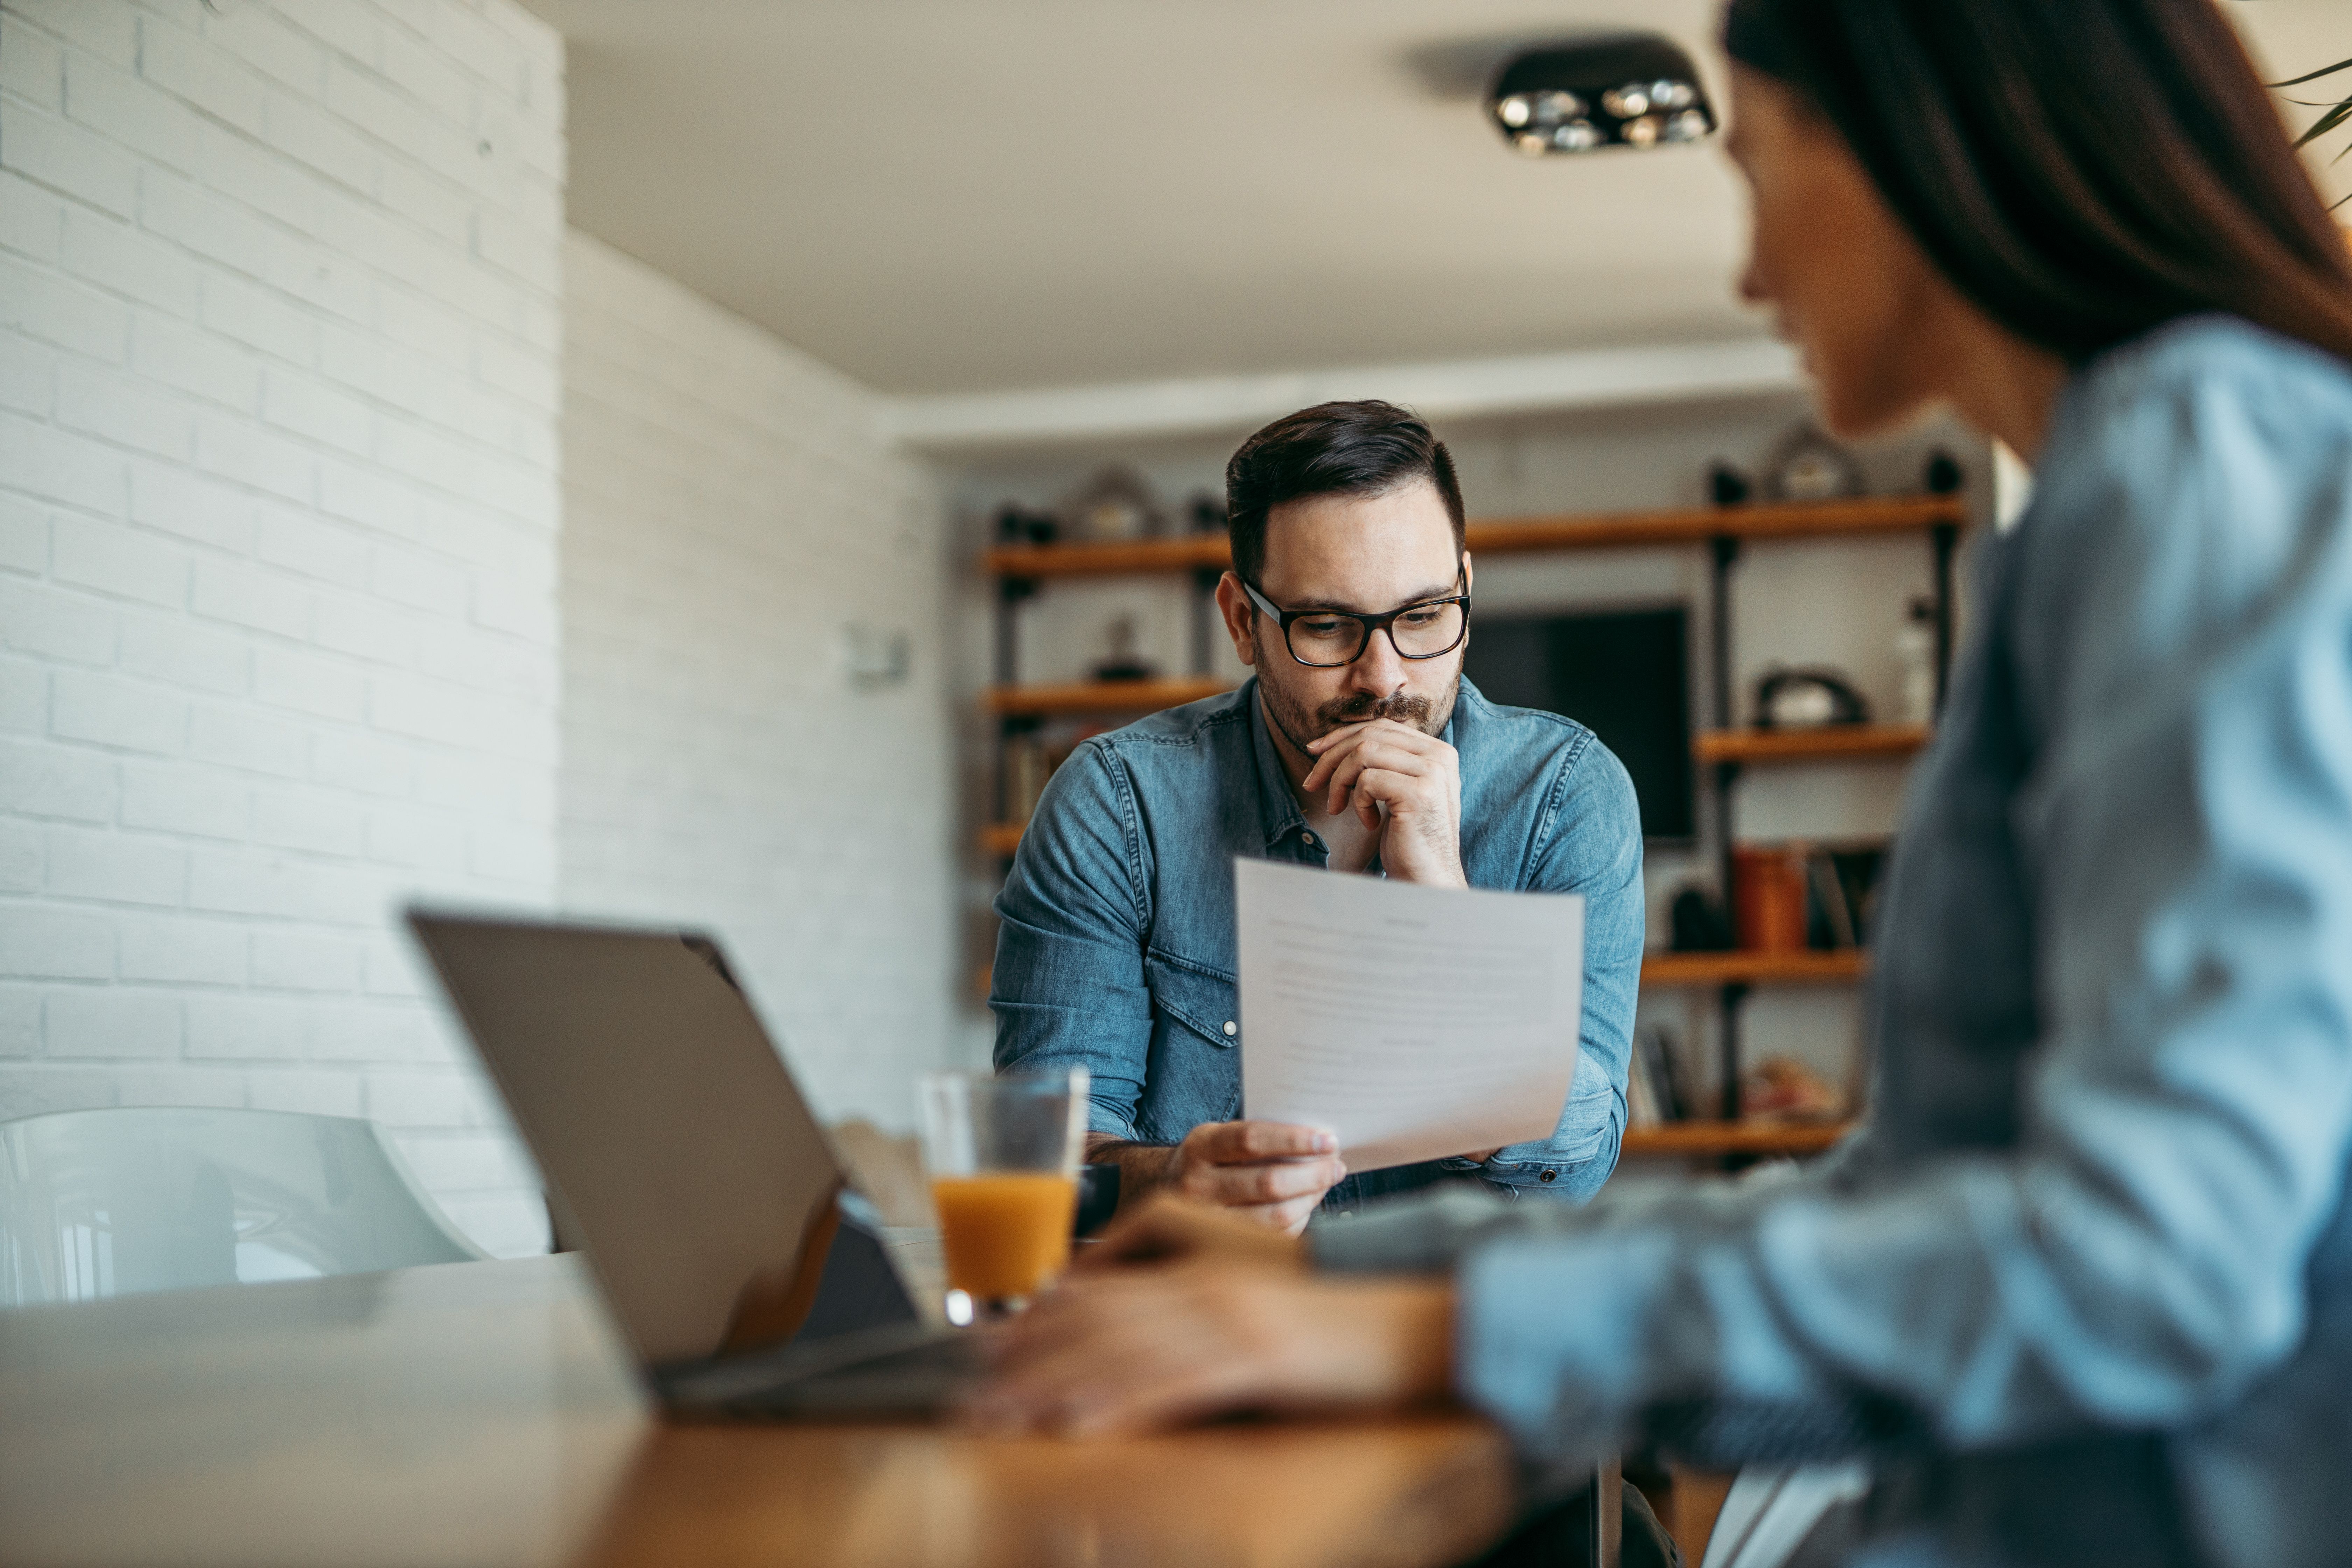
x,y
1359,707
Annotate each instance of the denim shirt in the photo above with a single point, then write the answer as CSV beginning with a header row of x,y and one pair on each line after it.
x,y
1116,954
2083,1289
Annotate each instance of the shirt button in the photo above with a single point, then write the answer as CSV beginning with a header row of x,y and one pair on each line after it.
x,y
1548,1176
1231,1029
1310,837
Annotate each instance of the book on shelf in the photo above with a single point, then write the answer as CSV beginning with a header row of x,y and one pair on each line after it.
x,y
1841,884
1657,1087
1835,913
1030,758
1641,1101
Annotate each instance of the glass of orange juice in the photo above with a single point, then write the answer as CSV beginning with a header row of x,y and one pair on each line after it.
x,y
1003,1155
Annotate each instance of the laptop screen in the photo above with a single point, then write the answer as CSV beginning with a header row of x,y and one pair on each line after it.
x,y
670,1133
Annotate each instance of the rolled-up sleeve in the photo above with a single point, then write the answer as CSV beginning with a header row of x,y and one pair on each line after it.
x,y
1067,987
1591,846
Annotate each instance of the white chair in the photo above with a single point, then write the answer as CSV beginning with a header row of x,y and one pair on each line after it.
x,y
112,1203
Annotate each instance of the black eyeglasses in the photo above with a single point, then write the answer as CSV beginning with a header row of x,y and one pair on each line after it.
x,y
1327,639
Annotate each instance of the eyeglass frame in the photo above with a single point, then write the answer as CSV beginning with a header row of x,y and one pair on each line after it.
x,y
1379,623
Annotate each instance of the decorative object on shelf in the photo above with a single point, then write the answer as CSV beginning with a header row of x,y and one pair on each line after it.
x,y
1826,897
1124,663
1942,475
1915,657
1700,921
1580,96
1784,1087
1205,513
1807,698
1807,466
1769,897
1017,525
1115,507
873,656
1727,486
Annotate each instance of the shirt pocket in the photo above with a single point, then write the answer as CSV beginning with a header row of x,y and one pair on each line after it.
x,y
1198,1000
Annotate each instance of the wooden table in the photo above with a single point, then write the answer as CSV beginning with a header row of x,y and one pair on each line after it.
x,y
482,1414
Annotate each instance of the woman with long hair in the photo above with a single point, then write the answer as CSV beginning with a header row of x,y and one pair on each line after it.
x,y
2082,1291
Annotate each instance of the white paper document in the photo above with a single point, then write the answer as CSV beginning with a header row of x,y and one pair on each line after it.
x,y
1414,1022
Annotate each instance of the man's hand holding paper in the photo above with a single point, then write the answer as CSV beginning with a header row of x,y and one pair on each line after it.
x,y
1269,1172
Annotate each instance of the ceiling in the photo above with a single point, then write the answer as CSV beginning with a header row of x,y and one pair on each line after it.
x,y
938,195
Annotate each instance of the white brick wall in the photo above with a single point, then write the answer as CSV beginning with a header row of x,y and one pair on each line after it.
x,y
279,396
729,505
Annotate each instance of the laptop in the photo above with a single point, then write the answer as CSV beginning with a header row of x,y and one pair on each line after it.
x,y
748,1275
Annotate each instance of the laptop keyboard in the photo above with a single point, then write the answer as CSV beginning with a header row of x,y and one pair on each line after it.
x,y
916,1379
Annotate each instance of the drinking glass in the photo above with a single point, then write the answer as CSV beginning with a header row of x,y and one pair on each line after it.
x,y
1003,1155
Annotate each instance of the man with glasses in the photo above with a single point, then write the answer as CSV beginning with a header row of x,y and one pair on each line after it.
x,y
1356,747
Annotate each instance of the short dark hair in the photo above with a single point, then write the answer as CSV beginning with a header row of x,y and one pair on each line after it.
x,y
2083,173
1331,450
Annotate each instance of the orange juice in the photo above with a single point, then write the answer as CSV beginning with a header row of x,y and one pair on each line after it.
x,y
1005,1233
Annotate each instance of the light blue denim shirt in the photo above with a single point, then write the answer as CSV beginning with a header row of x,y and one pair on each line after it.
x,y
2084,1288
1115,953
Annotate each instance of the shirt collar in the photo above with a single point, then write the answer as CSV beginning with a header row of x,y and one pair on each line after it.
x,y
1277,808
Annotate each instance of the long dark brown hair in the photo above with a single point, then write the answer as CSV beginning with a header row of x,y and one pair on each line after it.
x,y
2081,169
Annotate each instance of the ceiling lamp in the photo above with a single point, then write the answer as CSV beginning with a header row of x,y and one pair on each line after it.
x,y
1636,90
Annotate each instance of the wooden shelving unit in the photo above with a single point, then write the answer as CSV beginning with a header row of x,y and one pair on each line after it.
x,y
1711,1140
1840,967
1507,536
1100,696
1021,572
1831,743
1033,562
1701,525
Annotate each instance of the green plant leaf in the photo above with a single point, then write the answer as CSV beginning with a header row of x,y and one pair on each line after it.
x,y
2325,124
2330,70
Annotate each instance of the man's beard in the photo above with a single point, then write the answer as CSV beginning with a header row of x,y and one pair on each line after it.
x,y
1406,708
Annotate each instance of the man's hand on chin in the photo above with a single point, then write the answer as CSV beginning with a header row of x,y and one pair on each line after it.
x,y
1381,768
